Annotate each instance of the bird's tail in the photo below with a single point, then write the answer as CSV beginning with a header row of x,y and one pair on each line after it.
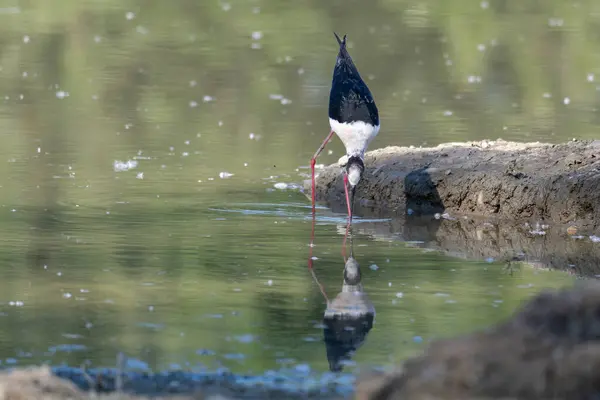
x,y
343,55
342,42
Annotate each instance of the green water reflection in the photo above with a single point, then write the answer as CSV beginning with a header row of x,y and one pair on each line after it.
x,y
149,261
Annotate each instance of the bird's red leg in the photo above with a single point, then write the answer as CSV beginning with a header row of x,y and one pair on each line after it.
x,y
313,161
310,259
347,197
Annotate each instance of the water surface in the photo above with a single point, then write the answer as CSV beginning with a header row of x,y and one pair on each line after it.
x,y
152,156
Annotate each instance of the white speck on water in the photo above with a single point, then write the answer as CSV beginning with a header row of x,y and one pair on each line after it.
x,y
374,267
389,284
108,213
120,166
448,113
237,289
193,104
26,39
25,74
399,295
270,282
207,99
256,45
590,77
193,83
141,30
59,273
481,47
314,258
129,15
225,175
300,71
226,7
566,101
257,35
595,238
67,295
302,368
248,338
61,94
97,39
171,148
39,150
256,10
526,286
140,175
88,325
441,295
285,101
554,22
10,10
220,123
17,303
84,291
185,154
484,4
245,164
474,79
275,96
547,95
151,308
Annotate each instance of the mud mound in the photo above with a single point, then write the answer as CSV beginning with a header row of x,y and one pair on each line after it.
x,y
554,182
550,349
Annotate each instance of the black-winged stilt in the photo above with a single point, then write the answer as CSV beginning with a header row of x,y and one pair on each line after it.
x,y
353,116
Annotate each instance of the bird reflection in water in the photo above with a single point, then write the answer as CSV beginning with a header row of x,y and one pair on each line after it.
x,y
349,316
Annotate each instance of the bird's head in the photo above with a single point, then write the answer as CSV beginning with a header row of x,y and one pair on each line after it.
x,y
355,168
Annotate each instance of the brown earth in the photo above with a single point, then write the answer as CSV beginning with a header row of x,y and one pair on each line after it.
x,y
550,349
517,181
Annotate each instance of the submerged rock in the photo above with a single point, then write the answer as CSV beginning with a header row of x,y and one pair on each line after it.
x,y
550,349
507,179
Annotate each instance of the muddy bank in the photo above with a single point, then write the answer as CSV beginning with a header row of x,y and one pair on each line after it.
x,y
550,349
518,181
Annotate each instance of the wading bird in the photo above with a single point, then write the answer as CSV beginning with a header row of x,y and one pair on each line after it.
x,y
353,116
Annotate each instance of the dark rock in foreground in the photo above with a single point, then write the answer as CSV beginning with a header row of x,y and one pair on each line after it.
x,y
550,349
512,180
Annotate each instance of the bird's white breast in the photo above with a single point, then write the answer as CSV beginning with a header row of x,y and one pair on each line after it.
x,y
356,135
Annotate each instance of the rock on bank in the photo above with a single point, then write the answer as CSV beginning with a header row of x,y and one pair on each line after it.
x,y
557,182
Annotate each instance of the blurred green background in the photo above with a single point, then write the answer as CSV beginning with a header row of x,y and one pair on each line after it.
x,y
172,254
